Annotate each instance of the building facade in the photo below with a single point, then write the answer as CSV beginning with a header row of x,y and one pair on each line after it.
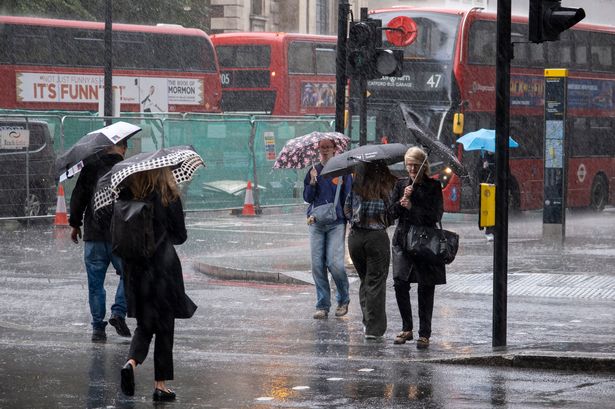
x,y
292,16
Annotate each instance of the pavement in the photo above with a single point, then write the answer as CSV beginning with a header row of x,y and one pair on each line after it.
x,y
550,284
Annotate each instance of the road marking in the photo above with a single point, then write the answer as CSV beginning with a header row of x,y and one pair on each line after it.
x,y
536,285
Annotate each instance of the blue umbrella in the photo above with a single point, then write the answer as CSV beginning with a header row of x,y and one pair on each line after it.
x,y
483,139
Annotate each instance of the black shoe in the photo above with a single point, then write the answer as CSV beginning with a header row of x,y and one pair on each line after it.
x,y
127,376
99,335
120,326
422,343
163,396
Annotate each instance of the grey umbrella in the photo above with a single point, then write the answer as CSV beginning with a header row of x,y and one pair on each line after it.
x,y
344,163
430,144
74,159
183,160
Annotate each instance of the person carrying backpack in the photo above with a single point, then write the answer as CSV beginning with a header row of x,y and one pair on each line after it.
x,y
154,283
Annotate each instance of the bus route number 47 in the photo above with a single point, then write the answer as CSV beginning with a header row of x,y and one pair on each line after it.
x,y
434,80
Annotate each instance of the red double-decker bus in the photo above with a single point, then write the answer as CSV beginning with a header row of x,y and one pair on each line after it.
x,y
277,73
48,64
450,68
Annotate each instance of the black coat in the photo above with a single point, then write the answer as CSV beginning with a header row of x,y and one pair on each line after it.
x,y
94,229
156,285
426,210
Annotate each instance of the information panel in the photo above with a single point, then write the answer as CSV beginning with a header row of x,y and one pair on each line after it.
x,y
554,212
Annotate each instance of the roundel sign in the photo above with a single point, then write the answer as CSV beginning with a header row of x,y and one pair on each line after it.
x,y
403,33
581,173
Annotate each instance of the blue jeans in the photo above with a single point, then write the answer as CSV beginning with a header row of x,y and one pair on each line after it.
x,y
327,246
97,256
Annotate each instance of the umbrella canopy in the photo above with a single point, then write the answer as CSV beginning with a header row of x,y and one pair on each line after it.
x,y
483,139
74,159
302,151
183,159
431,145
344,163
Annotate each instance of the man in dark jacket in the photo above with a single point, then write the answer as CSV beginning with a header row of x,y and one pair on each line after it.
x,y
97,244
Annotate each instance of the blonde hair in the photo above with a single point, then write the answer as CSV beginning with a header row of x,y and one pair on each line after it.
x,y
161,180
418,155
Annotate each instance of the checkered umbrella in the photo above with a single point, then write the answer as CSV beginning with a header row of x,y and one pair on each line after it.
x,y
302,151
183,160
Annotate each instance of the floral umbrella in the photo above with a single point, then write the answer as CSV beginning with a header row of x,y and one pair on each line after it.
x,y
302,151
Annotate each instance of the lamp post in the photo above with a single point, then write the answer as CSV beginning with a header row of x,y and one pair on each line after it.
x,y
108,81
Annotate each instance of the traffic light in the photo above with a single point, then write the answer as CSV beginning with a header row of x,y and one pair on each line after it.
x,y
389,63
366,57
361,49
548,19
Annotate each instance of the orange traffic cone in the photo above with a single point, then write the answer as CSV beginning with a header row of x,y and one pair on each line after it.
x,y
61,216
248,204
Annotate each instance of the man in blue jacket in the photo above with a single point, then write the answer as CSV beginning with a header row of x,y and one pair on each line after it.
x,y
327,241
97,244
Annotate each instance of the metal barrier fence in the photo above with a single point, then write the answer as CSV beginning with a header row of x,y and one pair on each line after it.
x,y
236,149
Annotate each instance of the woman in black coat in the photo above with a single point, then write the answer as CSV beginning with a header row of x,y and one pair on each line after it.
x,y
155,286
415,204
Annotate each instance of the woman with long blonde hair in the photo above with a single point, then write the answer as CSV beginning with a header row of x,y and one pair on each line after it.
x,y
154,286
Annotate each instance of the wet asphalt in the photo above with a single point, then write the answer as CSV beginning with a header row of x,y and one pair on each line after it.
x,y
253,343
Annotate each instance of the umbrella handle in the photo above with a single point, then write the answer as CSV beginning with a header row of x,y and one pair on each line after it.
x,y
68,177
419,172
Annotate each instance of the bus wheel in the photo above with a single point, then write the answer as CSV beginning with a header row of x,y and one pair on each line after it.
x,y
599,194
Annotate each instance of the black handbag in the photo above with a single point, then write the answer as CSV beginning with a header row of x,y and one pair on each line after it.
x,y
432,245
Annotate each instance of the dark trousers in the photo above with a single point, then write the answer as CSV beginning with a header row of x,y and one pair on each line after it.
x,y
163,327
425,299
371,254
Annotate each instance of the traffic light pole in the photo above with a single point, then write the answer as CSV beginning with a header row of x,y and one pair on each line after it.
x,y
340,64
363,111
502,131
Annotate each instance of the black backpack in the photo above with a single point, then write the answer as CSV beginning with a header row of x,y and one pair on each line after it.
x,y
132,229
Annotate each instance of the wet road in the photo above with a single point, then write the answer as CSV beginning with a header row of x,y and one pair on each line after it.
x,y
255,345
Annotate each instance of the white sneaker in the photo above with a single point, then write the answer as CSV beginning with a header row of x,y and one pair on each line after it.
x,y
489,237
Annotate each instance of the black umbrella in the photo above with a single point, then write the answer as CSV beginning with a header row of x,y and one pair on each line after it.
x,y
183,160
74,159
431,145
344,163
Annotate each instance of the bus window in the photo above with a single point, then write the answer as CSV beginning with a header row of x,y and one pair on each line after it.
x,y
482,43
600,142
578,137
300,58
88,47
32,45
581,49
536,55
559,53
244,56
5,44
325,59
518,32
436,35
601,52
203,61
